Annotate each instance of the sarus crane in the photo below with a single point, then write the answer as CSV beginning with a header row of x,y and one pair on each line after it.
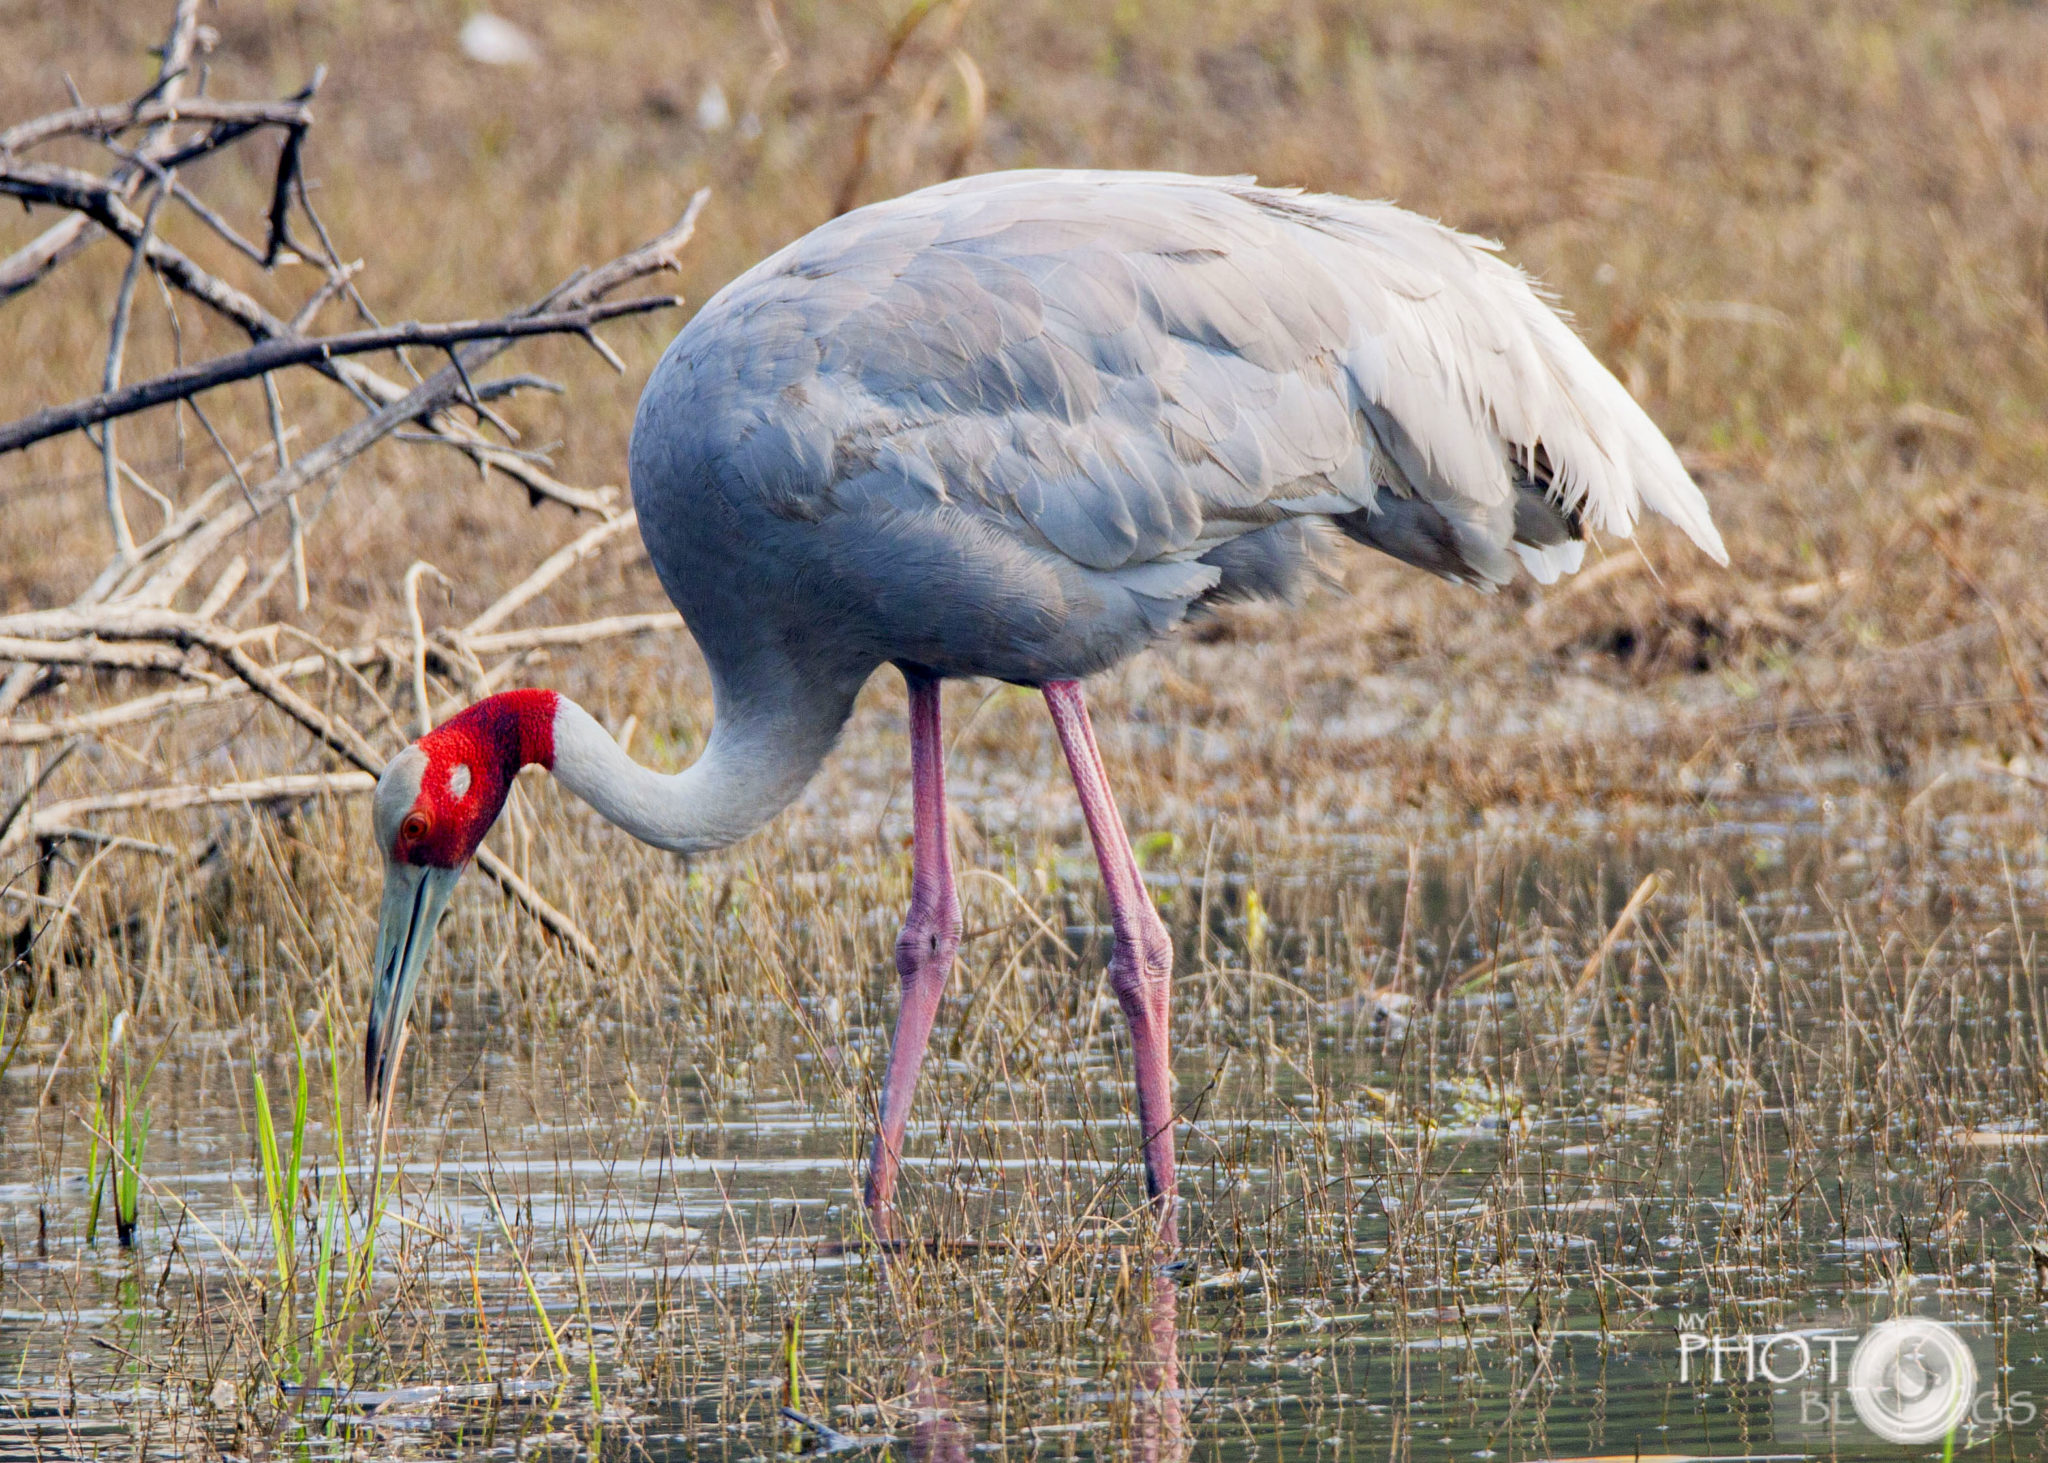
x,y
1020,426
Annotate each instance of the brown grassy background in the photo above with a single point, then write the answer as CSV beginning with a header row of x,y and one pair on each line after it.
x,y
1813,239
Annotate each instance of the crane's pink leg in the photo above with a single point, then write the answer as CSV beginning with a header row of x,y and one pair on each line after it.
x,y
1141,967
925,949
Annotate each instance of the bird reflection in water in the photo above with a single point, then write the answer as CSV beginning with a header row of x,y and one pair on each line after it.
x,y
1153,1430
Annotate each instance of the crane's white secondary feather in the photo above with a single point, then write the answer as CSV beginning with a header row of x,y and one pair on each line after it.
x,y
1457,346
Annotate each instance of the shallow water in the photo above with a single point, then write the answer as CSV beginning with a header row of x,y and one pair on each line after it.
x,y
1449,1192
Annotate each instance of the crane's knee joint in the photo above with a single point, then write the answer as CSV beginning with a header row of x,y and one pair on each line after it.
x,y
1143,971
930,938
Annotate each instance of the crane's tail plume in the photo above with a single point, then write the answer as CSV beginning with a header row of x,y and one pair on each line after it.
x,y
1496,432
1610,457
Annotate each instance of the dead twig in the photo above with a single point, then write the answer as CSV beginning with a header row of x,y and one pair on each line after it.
x,y
33,262
90,652
117,346
548,571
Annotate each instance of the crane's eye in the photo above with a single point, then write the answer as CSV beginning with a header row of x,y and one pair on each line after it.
x,y
415,827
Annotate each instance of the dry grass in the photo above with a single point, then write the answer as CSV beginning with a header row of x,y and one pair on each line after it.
x,y
1807,1084
1814,239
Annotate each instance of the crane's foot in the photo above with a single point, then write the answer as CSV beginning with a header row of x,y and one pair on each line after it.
x,y
881,1215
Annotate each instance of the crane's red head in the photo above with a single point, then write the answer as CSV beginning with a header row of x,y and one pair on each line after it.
x,y
434,804
438,798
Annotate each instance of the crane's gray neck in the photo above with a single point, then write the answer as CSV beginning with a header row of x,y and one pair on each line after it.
x,y
768,736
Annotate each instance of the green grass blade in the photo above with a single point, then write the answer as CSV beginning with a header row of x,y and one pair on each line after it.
x,y
128,1181
292,1172
589,1331
540,1310
94,1180
273,1182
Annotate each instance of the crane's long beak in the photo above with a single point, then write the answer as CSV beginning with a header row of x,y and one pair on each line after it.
x,y
413,900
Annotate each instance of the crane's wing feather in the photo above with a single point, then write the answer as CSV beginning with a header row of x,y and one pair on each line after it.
x,y
1160,378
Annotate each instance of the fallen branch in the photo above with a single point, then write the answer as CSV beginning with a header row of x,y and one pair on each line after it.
x,y
119,623
147,708
119,841
479,637
96,653
58,817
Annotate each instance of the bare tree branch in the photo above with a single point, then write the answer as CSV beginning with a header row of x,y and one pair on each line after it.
x,y
159,703
119,117
281,192
278,353
103,201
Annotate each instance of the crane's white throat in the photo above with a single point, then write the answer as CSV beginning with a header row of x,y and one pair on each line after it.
x,y
752,768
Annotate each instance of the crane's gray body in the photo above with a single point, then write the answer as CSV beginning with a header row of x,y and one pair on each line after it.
x,y
1018,425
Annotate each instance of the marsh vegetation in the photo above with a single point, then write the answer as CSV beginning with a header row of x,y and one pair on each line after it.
x,y
1473,1131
